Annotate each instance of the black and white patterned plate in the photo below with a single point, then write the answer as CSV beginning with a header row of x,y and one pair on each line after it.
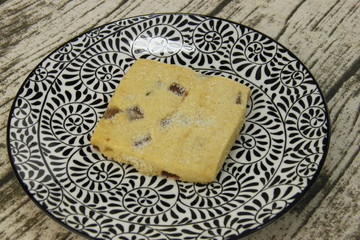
x,y
274,161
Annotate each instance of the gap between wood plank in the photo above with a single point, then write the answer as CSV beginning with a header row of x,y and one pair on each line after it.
x,y
287,20
350,72
219,7
8,176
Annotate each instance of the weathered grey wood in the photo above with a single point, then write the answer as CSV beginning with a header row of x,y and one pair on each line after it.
x,y
323,34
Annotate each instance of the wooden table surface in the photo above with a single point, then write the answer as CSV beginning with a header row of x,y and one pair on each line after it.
x,y
323,34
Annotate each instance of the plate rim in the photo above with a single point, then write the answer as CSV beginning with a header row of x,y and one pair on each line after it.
x,y
246,232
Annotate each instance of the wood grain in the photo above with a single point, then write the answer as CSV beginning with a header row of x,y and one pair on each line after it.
x,y
323,34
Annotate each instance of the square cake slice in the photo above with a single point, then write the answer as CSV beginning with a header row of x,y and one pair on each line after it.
x,y
169,120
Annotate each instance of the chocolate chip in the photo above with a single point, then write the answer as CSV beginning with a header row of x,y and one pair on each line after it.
x,y
96,147
148,93
142,141
110,112
178,89
167,174
238,99
134,113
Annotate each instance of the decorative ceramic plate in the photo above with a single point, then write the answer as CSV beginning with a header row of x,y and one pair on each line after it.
x,y
274,160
